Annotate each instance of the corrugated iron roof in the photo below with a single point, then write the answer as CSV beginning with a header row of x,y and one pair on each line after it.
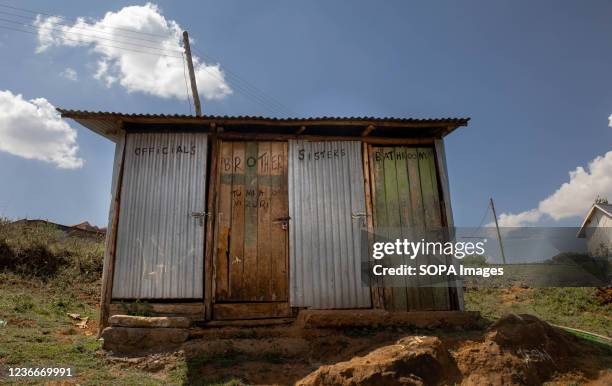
x,y
111,114
110,124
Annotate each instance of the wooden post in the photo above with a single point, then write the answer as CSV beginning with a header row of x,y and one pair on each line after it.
x,y
111,232
211,246
501,244
194,86
376,291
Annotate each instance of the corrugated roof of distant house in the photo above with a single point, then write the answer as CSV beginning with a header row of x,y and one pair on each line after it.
x,y
107,123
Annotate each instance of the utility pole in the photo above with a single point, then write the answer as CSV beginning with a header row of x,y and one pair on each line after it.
x,y
194,86
501,245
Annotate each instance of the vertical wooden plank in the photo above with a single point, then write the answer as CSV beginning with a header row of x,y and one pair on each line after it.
x,y
431,203
210,244
425,293
279,211
250,222
370,193
264,265
393,217
380,211
406,221
284,274
236,232
111,233
457,290
224,216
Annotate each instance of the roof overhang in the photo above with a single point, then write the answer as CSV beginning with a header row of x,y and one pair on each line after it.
x,y
587,219
111,124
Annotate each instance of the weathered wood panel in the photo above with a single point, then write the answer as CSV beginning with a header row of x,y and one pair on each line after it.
x,y
456,292
238,311
110,244
251,261
193,311
406,204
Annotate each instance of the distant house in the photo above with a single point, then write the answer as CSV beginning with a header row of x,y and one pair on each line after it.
x,y
597,229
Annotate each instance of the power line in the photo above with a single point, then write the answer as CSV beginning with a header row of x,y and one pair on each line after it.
x,y
241,85
100,44
186,85
247,85
87,36
244,85
246,92
66,18
89,28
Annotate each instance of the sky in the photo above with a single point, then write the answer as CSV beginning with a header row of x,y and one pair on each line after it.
x,y
533,76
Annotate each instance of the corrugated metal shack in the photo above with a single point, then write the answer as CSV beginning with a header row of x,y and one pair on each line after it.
x,y
224,218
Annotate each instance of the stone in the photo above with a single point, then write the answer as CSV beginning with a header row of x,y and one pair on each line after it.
x,y
149,322
135,339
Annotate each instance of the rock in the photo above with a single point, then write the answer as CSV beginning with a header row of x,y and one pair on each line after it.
x,y
130,339
149,322
414,360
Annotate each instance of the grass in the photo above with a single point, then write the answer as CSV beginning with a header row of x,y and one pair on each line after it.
x,y
571,307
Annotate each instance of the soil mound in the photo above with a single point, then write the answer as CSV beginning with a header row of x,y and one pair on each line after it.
x,y
414,360
516,350
521,349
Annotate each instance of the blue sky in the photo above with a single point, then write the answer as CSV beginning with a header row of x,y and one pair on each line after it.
x,y
533,76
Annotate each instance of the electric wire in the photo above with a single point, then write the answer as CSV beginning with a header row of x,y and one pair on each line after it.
x,y
72,19
237,86
241,85
186,85
89,36
88,28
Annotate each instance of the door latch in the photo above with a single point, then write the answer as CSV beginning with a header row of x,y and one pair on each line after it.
x,y
284,221
200,216
360,215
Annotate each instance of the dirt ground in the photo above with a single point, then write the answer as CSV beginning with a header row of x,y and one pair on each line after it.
x,y
516,350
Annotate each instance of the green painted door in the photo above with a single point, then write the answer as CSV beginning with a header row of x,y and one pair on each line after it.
x,y
406,203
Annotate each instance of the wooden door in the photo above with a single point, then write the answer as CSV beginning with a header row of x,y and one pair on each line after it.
x,y
406,203
251,262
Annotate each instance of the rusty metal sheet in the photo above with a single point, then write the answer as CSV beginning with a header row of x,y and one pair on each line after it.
x,y
160,240
327,210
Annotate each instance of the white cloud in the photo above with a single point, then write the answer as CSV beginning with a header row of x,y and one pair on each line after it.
x,y
70,74
135,71
34,130
573,198
610,120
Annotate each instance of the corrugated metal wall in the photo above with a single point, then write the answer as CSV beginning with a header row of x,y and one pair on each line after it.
x,y
160,245
326,200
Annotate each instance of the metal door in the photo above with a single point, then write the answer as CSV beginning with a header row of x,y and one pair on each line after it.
x,y
327,209
160,238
